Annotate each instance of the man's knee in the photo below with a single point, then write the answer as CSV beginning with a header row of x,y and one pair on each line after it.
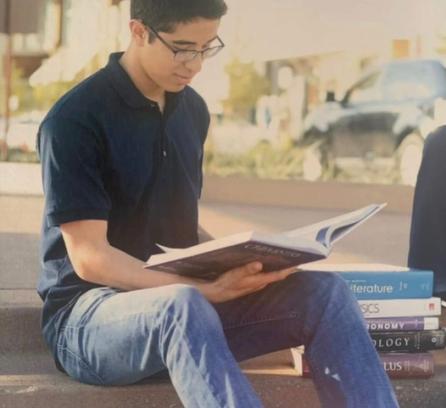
x,y
187,302
323,285
184,295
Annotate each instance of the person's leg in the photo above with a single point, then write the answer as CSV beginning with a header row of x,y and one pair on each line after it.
x,y
428,231
319,311
113,338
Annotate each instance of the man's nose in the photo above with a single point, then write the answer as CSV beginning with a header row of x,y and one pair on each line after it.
x,y
195,64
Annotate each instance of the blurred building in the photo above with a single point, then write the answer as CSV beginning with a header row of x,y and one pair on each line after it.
x,y
34,27
89,31
325,45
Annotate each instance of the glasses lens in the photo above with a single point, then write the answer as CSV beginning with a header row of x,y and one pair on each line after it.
x,y
211,52
185,56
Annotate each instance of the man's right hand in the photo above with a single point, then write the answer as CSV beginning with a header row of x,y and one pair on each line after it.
x,y
96,261
242,281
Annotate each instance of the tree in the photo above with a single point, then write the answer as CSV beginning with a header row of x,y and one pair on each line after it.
x,y
246,85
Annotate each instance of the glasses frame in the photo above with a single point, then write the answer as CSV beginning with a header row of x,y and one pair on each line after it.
x,y
193,53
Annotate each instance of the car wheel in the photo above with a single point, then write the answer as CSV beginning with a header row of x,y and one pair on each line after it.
x,y
317,164
409,155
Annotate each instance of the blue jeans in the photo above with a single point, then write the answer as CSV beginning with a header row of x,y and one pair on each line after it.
x,y
114,337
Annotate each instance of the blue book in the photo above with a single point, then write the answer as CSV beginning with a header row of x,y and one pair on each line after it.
x,y
380,281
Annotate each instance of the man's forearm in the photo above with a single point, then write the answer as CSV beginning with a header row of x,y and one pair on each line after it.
x,y
112,267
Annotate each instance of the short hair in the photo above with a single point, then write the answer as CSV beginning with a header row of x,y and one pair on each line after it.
x,y
164,15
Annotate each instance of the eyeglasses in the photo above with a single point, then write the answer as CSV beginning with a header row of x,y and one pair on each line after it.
x,y
189,55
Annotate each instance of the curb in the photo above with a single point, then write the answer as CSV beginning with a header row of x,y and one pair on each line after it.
x,y
20,179
25,179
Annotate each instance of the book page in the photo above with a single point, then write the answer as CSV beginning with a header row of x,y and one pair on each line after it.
x,y
329,231
355,267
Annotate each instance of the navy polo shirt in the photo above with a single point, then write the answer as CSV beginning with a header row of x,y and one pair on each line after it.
x,y
108,153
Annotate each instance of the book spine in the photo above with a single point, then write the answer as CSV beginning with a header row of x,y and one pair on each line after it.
x,y
405,365
400,307
396,365
390,285
409,341
402,324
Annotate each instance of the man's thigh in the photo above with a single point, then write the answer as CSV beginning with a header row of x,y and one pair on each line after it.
x,y
277,317
112,337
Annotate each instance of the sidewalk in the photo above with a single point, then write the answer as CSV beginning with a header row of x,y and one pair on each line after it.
x,y
28,377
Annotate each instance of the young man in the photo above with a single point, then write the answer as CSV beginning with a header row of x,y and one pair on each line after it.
x,y
428,232
121,156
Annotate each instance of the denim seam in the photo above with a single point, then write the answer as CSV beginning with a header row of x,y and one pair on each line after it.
x,y
188,348
262,320
82,326
60,348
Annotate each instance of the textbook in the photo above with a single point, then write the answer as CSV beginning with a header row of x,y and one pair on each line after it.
x,y
274,251
401,307
396,365
382,281
412,341
392,324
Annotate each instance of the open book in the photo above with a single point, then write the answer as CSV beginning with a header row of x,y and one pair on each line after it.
x,y
274,251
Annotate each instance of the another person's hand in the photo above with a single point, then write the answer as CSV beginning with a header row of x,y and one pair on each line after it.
x,y
242,281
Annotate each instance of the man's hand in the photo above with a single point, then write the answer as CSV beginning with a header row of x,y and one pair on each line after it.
x,y
96,261
242,281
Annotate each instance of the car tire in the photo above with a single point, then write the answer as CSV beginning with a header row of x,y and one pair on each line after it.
x,y
317,164
409,155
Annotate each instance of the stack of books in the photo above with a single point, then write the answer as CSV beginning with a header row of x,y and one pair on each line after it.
x,y
400,313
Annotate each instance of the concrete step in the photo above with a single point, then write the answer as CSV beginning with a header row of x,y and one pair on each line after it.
x,y
20,321
29,378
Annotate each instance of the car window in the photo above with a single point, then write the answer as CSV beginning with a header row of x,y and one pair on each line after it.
x,y
366,90
409,81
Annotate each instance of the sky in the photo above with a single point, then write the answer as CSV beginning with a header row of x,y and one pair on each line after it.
x,y
313,26
261,30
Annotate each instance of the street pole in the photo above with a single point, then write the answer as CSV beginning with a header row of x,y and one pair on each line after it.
x,y
8,75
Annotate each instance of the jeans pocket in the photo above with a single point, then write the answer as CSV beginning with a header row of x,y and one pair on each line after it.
x,y
77,368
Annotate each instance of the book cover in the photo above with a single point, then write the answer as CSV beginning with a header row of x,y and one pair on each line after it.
x,y
396,365
390,285
274,251
382,281
408,365
392,324
400,307
411,342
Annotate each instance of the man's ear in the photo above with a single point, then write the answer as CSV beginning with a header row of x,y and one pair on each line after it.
x,y
138,32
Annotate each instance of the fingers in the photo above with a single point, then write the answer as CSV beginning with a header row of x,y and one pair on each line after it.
x,y
279,275
247,279
249,269
253,268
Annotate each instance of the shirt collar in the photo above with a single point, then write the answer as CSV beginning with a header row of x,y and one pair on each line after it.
x,y
129,92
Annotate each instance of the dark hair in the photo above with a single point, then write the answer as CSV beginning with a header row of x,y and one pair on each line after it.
x,y
163,15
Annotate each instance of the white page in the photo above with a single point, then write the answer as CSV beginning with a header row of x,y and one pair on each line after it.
x,y
311,231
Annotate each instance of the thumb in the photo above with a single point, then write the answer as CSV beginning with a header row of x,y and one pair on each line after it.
x,y
254,267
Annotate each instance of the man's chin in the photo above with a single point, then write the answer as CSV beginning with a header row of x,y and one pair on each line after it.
x,y
175,88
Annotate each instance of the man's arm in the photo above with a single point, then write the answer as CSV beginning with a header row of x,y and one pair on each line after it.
x,y
96,261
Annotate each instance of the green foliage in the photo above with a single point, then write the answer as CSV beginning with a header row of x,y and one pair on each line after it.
x,y
21,89
246,85
19,155
263,161
46,95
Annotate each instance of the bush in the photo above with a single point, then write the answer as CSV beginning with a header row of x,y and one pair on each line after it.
x,y
263,161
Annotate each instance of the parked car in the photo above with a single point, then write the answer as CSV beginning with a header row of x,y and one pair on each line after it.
x,y
382,119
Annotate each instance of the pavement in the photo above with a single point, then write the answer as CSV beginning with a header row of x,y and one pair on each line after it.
x,y
27,374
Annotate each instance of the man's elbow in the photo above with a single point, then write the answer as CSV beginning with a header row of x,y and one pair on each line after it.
x,y
88,264
84,270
